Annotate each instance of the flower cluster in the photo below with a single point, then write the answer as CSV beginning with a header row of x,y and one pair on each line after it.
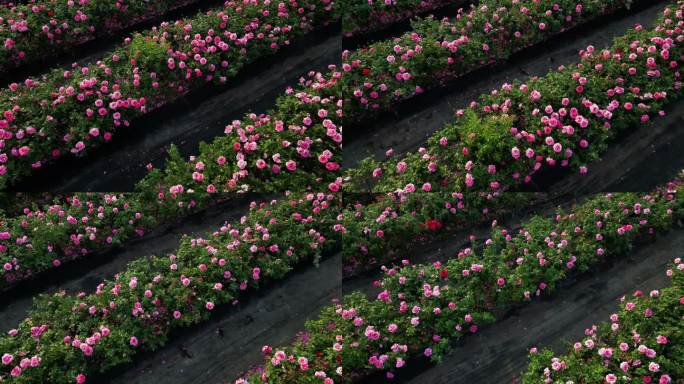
x,y
564,120
392,224
641,343
68,337
294,147
71,227
60,232
32,30
435,52
67,112
421,309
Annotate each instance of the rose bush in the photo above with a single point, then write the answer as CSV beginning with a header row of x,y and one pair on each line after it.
x,y
422,309
641,343
68,112
435,52
32,30
382,229
68,337
44,237
367,16
294,147
563,120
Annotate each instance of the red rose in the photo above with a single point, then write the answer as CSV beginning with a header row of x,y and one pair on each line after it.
x,y
434,225
365,71
444,273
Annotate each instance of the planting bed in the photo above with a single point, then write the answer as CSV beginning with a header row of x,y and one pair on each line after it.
x,y
180,204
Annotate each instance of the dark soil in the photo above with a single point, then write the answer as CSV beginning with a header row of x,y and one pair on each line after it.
x,y
396,29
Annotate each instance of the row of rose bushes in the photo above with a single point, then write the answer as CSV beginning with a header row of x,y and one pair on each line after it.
x,y
68,112
422,309
380,229
561,121
32,30
45,236
642,343
68,337
437,51
366,16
